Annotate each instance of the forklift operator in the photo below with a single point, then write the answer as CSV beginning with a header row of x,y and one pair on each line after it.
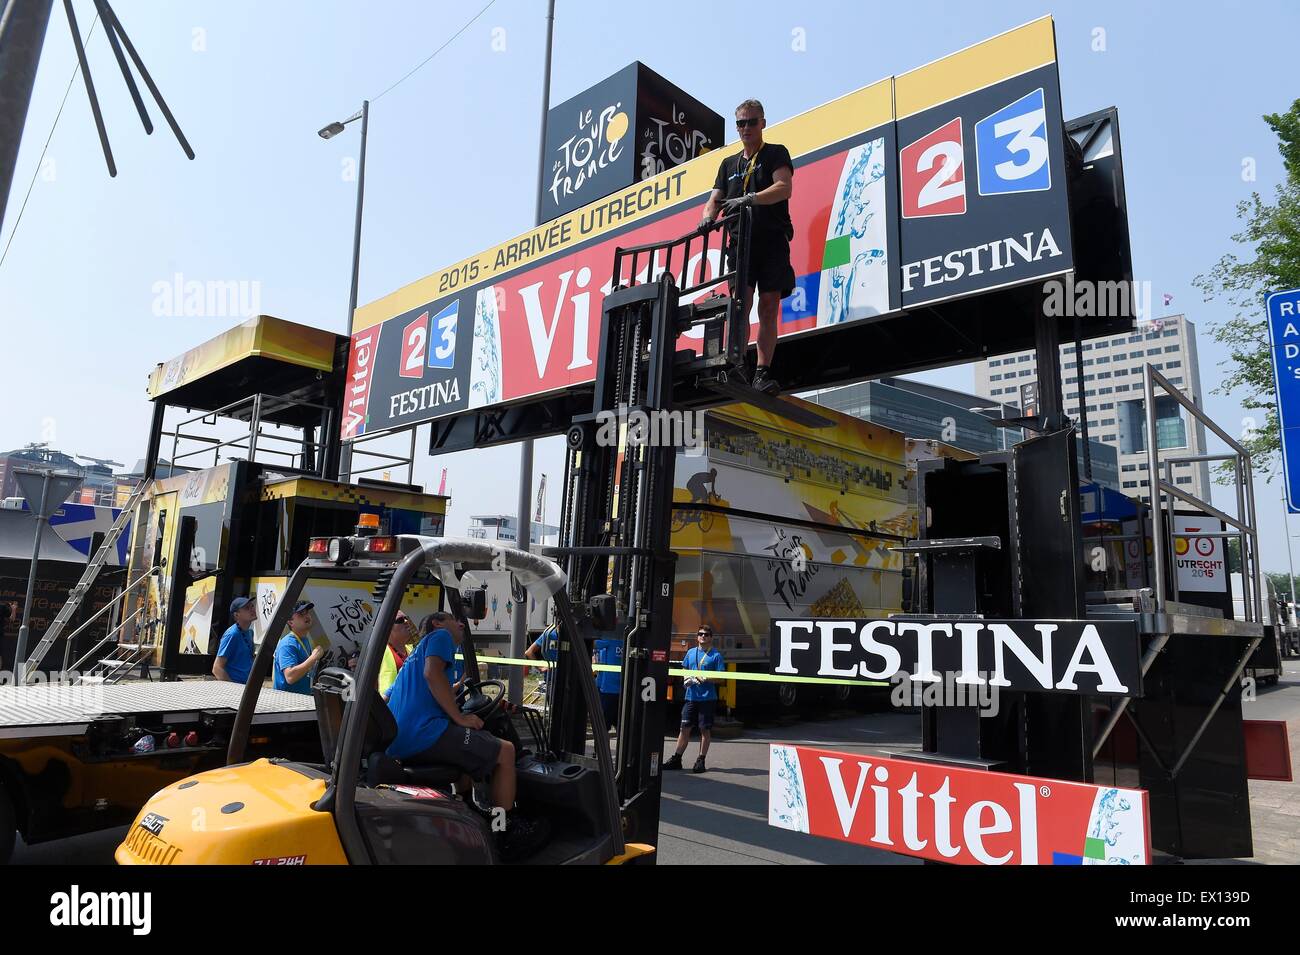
x,y
430,726
761,176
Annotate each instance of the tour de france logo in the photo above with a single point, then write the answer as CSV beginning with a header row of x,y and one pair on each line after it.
x,y
597,142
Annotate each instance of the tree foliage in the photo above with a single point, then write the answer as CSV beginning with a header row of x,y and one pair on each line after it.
x,y
1268,262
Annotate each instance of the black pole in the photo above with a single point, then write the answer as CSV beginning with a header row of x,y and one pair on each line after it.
x,y
345,452
519,626
115,24
154,446
22,34
90,88
115,43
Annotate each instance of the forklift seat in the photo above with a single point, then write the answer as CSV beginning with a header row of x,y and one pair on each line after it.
x,y
331,688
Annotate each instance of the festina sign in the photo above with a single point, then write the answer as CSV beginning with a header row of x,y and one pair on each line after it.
x,y
1053,656
961,816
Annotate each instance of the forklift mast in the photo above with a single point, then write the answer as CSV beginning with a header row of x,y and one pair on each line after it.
x,y
617,507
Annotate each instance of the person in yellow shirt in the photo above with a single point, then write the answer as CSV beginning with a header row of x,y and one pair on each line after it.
x,y
400,638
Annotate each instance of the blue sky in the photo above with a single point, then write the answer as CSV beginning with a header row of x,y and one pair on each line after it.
x,y
453,153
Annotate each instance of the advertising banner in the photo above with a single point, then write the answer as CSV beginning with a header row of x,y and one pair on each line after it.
x,y
958,816
1041,656
961,190
1201,562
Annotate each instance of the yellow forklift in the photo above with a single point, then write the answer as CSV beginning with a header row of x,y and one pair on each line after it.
x,y
359,806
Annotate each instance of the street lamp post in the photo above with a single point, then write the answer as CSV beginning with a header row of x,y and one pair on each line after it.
x,y
329,132
1286,530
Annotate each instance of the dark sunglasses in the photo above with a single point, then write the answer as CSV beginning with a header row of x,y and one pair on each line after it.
x,y
752,121
403,619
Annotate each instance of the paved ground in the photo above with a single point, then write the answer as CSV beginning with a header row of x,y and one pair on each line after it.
x,y
720,817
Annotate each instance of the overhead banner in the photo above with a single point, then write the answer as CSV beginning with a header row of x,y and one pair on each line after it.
x,y
959,190
1038,656
959,816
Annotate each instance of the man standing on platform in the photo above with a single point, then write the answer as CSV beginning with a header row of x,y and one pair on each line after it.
x,y
761,175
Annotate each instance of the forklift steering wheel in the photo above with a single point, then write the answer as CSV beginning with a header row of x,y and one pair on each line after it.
x,y
473,702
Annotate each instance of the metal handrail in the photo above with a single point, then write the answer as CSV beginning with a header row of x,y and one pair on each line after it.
x,y
1247,532
108,636
258,405
731,244
357,449
109,605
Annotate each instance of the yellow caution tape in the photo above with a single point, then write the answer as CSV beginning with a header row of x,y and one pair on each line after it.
x,y
717,675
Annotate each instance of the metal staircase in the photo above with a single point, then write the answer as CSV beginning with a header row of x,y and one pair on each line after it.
x,y
82,587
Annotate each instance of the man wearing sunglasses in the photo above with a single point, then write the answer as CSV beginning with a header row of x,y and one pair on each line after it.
x,y
761,175
701,698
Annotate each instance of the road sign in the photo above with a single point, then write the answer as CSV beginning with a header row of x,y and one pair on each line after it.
x,y
45,501
1284,333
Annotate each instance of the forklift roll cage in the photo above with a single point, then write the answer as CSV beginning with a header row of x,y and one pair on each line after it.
x,y
444,560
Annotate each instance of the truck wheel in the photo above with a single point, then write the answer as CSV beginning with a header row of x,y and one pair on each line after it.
x,y
787,695
8,826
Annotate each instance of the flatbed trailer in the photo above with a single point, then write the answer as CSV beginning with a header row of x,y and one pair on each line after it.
x,y
68,762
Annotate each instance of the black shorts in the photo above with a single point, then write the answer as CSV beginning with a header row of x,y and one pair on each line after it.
x,y
769,263
474,751
699,711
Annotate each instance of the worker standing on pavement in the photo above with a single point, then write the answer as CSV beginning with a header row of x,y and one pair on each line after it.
x,y
609,651
701,698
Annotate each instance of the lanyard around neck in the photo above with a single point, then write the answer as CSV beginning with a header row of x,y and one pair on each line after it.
x,y
749,170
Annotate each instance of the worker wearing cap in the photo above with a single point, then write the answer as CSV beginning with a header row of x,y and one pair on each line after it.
x,y
295,657
234,660
701,698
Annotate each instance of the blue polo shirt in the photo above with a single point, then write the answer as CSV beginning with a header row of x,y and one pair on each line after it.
x,y
420,720
696,659
292,652
549,644
237,647
609,651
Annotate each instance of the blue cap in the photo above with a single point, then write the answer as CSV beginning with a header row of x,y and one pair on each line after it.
x,y
239,603
302,606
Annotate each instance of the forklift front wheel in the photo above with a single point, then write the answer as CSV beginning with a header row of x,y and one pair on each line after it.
x,y
8,826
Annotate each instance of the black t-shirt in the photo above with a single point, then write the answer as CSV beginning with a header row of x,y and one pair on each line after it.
x,y
735,178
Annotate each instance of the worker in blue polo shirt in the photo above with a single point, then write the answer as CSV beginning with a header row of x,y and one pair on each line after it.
x,y
545,647
295,657
701,697
432,729
609,651
234,660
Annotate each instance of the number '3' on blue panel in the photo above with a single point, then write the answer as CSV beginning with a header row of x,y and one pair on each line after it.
x,y
1012,150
